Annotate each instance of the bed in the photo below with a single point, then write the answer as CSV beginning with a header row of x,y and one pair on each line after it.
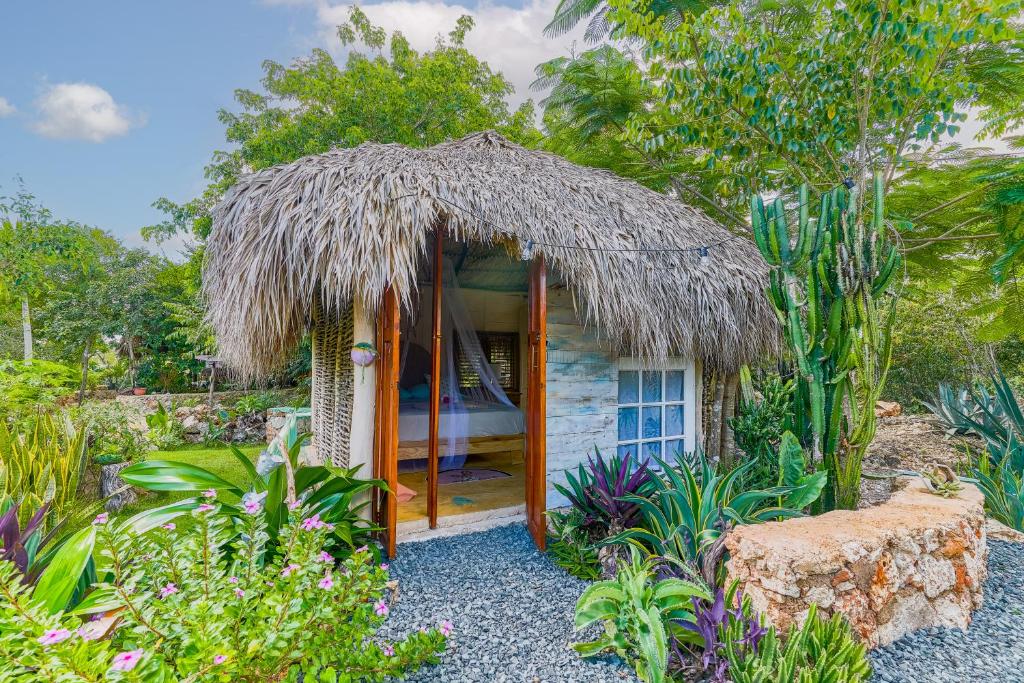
x,y
492,427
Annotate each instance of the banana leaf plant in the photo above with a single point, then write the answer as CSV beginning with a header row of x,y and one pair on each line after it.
x,y
335,494
687,511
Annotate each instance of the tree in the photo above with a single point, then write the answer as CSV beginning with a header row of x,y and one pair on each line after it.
x,y
313,105
32,245
821,92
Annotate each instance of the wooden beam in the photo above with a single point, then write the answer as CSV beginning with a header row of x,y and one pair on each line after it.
x,y
386,416
536,411
435,382
474,445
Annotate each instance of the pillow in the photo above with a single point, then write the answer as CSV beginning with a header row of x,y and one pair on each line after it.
x,y
419,392
404,394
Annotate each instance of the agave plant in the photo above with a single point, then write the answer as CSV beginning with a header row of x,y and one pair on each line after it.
x,y
686,511
1000,476
996,417
958,410
602,489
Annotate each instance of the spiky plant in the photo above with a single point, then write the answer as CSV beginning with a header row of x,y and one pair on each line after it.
x,y
830,290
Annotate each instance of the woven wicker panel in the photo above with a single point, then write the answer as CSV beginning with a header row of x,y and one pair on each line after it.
x,y
333,384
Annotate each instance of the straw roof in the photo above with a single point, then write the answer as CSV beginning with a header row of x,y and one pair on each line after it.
x,y
344,225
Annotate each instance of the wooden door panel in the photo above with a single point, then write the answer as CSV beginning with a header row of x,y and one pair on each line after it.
x,y
536,406
386,417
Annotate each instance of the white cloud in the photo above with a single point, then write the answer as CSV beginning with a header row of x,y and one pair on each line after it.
x,y
81,111
6,108
510,39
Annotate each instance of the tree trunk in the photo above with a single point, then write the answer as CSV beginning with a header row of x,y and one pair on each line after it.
x,y
131,362
728,411
26,328
714,434
86,353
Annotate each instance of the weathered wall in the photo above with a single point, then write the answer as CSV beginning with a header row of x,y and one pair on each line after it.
x,y
916,561
582,391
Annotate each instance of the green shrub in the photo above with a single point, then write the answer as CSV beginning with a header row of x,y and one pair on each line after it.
x,y
255,403
111,430
198,606
758,428
570,545
641,617
818,652
165,431
24,386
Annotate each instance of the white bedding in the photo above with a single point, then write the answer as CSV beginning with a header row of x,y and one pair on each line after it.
x,y
484,419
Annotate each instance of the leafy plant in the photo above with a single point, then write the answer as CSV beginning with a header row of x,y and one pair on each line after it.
x,y
165,432
820,651
1001,480
997,418
759,425
330,492
255,403
640,616
688,510
715,622
958,409
570,546
806,487
40,463
25,385
601,489
941,480
111,429
196,605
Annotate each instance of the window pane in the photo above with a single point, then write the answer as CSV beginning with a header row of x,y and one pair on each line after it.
x,y
628,423
628,448
674,385
673,420
674,449
652,448
629,386
652,386
652,422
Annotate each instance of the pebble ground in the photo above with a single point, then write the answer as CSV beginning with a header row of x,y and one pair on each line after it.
x,y
512,610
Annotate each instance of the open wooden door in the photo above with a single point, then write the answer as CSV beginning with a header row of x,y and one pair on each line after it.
x,y
385,456
536,405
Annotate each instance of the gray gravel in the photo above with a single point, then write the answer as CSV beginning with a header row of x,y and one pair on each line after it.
x,y
512,610
991,650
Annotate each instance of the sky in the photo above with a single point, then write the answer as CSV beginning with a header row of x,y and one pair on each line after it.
x,y
106,106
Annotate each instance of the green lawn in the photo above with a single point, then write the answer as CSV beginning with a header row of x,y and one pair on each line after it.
x,y
220,461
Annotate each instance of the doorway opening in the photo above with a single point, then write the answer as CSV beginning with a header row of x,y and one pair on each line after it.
x,y
468,345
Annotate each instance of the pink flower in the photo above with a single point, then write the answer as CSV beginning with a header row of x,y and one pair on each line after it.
x,y
381,608
385,566
295,505
326,583
290,568
446,628
252,507
313,522
219,659
325,556
101,518
206,507
54,636
239,593
232,579
126,661
362,549
388,650
169,589
170,526
210,493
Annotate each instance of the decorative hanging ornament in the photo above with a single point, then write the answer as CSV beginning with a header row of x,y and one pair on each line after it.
x,y
363,354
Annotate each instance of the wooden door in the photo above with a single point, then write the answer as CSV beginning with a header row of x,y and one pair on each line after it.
x,y
536,405
385,457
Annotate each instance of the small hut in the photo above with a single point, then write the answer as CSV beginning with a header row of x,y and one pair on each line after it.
x,y
520,311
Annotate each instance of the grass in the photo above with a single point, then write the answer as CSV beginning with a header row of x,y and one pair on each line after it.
x,y
220,461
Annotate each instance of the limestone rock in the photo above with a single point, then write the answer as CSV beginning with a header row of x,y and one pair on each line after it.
x,y
916,561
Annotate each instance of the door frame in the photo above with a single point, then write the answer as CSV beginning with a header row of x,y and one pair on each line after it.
x,y
385,459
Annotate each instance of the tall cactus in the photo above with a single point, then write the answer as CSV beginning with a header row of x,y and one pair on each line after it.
x,y
829,285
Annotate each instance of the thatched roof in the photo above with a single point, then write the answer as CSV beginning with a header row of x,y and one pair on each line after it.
x,y
344,225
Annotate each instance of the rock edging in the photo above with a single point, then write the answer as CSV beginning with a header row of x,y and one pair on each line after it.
x,y
916,561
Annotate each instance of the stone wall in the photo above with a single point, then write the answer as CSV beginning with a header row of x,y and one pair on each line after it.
x,y
916,561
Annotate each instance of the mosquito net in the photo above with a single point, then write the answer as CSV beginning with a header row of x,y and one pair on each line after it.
x,y
473,402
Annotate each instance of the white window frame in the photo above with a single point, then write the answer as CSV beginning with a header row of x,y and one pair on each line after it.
x,y
689,403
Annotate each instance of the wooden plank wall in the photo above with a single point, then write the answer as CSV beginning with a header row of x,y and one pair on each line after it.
x,y
582,390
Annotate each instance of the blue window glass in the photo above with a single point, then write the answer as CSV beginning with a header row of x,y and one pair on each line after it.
x,y
628,423
673,420
652,422
629,386
652,386
674,385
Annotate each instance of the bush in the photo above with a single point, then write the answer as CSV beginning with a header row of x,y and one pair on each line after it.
x,y
165,431
26,386
255,403
111,431
198,606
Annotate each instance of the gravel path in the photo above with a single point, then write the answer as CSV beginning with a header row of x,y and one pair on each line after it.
x,y
511,607
991,650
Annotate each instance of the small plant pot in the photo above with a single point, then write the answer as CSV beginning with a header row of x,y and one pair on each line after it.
x,y
108,459
139,391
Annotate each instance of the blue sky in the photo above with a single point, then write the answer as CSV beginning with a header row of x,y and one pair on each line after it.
x,y
107,106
